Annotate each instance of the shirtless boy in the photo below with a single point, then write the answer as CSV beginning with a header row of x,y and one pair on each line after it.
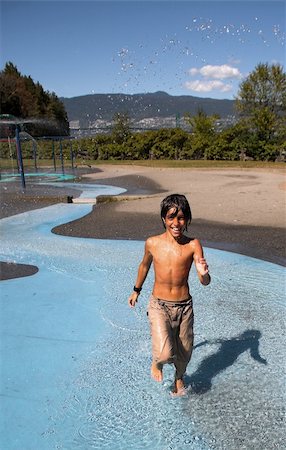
x,y
170,309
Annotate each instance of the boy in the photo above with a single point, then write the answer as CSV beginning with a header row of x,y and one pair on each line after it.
x,y
170,309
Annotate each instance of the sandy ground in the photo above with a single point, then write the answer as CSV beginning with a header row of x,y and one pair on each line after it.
x,y
240,210
245,197
235,210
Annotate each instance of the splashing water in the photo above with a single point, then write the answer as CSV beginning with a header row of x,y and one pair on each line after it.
x,y
136,66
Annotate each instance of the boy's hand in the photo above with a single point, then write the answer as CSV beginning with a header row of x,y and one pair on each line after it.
x,y
133,299
202,266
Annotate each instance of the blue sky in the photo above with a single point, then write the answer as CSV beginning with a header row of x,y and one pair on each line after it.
x,y
200,48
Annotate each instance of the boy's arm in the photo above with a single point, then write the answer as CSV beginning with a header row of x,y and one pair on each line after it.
x,y
142,274
201,264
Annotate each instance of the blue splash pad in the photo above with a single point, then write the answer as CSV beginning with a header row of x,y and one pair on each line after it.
x,y
88,190
76,358
8,177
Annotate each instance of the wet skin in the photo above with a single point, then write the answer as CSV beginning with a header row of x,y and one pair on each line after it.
x,y
172,254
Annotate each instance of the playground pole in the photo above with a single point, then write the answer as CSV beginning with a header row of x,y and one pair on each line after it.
x,y
71,150
35,155
178,118
19,157
54,155
61,156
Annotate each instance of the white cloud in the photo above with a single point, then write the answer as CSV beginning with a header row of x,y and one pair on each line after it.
x,y
212,78
208,86
194,71
216,72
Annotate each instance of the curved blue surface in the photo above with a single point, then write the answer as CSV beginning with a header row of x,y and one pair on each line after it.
x,y
8,177
75,358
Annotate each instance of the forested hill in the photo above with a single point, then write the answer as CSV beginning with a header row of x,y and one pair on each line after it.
x,y
23,98
88,108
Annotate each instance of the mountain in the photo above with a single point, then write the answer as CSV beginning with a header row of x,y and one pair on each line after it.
x,y
89,109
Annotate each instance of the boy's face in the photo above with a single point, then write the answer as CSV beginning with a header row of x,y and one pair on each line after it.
x,y
175,223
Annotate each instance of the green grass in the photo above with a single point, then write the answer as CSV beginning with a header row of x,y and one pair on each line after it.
x,y
200,164
6,164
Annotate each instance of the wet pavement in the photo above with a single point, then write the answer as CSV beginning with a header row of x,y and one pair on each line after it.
x,y
75,358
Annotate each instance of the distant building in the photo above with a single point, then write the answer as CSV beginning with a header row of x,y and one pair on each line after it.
x,y
74,125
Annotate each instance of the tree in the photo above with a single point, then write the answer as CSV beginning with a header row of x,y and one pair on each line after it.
x,y
203,133
262,99
25,99
201,123
121,128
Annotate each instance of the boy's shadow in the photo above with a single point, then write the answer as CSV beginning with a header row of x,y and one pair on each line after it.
x,y
227,354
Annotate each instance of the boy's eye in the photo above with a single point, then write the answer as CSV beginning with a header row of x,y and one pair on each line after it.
x,y
178,217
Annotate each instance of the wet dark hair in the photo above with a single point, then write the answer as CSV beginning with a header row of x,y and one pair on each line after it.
x,y
177,201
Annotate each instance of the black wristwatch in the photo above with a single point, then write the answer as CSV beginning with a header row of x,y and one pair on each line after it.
x,y
136,289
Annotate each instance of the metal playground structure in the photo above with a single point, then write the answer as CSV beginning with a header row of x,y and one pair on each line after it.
x,y
16,136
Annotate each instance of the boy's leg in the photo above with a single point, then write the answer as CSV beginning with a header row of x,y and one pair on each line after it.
x,y
161,334
184,345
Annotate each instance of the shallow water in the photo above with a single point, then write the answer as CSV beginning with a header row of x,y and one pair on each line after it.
x,y
75,372
38,176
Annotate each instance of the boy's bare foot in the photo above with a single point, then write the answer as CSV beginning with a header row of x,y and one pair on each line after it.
x,y
156,372
179,388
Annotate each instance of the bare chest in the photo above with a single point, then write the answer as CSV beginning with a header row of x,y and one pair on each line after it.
x,y
173,256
